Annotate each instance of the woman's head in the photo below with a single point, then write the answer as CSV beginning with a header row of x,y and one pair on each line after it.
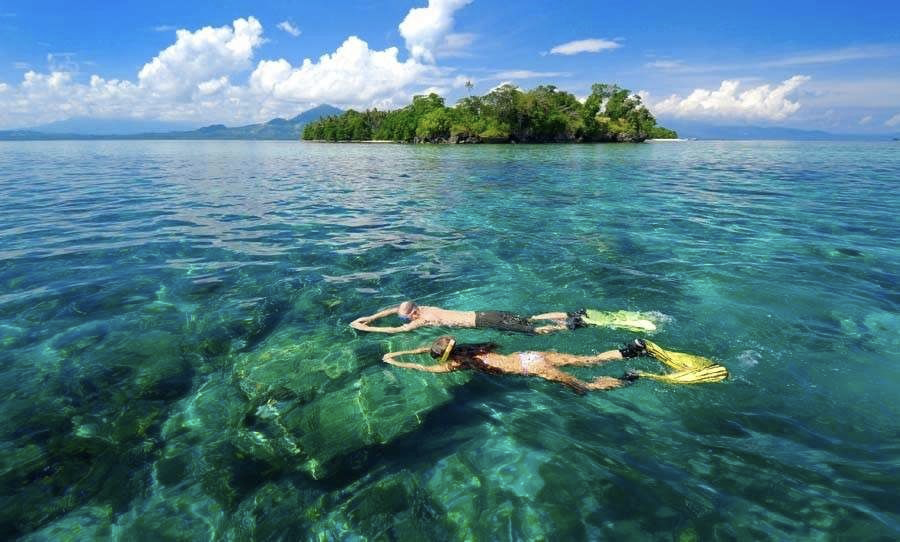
x,y
459,352
408,310
439,346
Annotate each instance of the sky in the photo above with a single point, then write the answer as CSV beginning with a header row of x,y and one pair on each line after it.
x,y
825,65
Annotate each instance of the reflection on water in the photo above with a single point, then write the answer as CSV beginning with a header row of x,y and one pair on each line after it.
x,y
175,361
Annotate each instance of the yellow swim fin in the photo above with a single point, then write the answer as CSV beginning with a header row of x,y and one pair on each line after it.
x,y
677,360
689,369
632,321
711,373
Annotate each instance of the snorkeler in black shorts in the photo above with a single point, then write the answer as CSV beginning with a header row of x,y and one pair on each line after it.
x,y
421,316
507,321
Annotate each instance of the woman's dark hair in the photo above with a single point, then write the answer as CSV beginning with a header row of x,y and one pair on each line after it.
x,y
460,352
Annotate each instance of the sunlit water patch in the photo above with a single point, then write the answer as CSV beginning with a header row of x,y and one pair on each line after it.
x,y
176,361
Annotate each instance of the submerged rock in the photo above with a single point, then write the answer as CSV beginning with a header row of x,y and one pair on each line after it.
x,y
20,461
87,523
395,507
80,338
11,336
293,423
287,369
211,416
276,511
187,514
236,327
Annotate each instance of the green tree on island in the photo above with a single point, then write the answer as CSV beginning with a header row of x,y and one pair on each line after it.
x,y
543,114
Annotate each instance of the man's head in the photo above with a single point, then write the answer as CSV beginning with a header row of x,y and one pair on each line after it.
x,y
408,310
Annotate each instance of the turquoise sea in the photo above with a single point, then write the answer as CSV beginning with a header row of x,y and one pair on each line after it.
x,y
175,360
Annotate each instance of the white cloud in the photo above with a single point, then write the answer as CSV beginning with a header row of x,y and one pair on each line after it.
x,y
352,75
893,122
164,28
834,56
865,120
456,42
201,55
440,91
210,75
804,58
592,45
21,65
427,30
502,84
62,62
188,80
762,102
882,92
527,74
664,64
289,27
212,86
456,45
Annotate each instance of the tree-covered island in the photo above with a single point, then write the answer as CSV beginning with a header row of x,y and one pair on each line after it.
x,y
507,114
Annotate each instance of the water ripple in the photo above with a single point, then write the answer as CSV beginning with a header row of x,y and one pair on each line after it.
x,y
175,350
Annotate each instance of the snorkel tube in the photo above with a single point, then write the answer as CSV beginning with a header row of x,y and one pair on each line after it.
x,y
447,350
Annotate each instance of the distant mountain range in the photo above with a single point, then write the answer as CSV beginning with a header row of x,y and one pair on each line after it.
x,y
698,130
290,129
275,129
93,126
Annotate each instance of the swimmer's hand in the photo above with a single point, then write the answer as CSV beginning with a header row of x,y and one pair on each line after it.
x,y
389,357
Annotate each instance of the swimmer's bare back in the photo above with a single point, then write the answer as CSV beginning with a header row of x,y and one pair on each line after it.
x,y
425,317
541,364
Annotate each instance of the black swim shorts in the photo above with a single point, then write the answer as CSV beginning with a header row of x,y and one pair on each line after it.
x,y
504,321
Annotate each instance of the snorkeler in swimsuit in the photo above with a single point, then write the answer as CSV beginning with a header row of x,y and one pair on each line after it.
x,y
484,357
421,316
690,369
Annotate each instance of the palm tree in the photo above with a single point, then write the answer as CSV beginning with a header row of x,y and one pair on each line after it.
x,y
469,87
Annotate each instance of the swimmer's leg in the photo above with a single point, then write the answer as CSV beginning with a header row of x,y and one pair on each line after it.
x,y
578,386
550,328
558,319
549,316
561,321
606,383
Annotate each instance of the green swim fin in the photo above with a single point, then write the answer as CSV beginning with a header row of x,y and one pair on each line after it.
x,y
632,321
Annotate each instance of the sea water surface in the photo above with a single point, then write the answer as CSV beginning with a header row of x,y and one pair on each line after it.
x,y
176,364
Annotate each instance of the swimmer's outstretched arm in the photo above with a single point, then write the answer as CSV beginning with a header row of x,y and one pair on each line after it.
x,y
362,323
440,368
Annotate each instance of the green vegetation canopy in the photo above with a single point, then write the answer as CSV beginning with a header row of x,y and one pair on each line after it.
x,y
506,114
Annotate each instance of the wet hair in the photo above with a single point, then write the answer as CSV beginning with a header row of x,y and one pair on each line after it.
x,y
406,308
461,352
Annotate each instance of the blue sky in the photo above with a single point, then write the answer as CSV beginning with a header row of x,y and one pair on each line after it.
x,y
823,65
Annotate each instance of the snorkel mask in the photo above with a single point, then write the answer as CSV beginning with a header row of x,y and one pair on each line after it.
x,y
447,350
